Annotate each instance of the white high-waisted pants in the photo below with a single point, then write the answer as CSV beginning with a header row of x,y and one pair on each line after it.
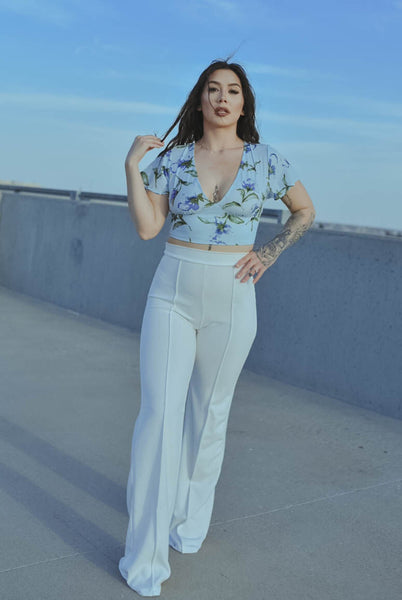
x,y
198,327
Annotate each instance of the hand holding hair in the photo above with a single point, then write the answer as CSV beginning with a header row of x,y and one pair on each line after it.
x,y
141,145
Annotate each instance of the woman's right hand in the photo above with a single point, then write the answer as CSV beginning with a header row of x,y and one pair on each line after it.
x,y
141,145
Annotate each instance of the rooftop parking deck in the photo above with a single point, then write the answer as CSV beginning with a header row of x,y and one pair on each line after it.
x,y
308,505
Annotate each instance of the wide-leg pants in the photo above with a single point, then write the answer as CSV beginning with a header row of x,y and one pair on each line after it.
x,y
198,327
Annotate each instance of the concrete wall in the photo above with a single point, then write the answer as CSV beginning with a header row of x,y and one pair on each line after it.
x,y
329,309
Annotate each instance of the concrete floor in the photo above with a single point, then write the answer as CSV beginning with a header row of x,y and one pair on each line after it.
x,y
308,505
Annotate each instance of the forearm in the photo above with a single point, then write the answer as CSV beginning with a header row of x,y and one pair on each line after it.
x,y
141,208
296,226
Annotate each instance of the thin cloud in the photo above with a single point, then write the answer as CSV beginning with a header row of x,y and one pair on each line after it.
x,y
55,102
43,10
96,46
378,107
239,12
222,4
350,127
158,79
362,103
201,11
305,74
64,13
230,8
42,102
366,128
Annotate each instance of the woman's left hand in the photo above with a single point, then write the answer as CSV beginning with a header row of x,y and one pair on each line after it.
x,y
251,267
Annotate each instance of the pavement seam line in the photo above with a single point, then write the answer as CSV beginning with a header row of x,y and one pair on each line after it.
x,y
322,498
41,562
267,512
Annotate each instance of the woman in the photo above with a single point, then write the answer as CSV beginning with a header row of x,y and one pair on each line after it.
x,y
200,317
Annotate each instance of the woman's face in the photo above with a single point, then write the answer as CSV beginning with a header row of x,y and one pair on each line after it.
x,y
222,98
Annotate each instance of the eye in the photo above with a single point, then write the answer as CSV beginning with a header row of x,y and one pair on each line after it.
x,y
214,89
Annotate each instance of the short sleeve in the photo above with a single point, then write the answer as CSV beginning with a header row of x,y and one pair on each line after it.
x,y
156,175
281,174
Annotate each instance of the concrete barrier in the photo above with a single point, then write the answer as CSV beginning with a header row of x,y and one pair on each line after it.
x,y
329,309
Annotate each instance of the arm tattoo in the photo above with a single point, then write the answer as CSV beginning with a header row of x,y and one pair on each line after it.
x,y
296,226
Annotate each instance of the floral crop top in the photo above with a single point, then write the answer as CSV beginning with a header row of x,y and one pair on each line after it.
x,y
263,174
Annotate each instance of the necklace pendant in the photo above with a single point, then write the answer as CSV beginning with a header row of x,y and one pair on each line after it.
x,y
215,197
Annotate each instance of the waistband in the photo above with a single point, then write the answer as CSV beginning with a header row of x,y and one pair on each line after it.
x,y
206,257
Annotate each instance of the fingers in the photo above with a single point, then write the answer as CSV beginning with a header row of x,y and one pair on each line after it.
x,y
246,263
245,275
242,260
151,138
255,279
252,267
141,145
151,141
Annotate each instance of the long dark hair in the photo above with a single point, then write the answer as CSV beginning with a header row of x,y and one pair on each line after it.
x,y
191,120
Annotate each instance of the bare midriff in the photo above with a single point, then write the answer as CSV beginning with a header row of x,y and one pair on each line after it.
x,y
214,247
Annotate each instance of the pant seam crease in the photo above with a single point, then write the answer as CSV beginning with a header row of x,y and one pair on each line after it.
x,y
163,421
214,385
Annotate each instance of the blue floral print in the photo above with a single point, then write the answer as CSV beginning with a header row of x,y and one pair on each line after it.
x,y
222,228
191,203
263,174
248,185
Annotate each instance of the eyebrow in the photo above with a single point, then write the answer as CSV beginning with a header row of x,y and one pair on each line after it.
x,y
213,81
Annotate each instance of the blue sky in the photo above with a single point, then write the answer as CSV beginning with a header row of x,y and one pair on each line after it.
x,y
81,79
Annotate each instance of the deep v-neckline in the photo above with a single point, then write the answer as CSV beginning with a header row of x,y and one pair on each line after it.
x,y
233,182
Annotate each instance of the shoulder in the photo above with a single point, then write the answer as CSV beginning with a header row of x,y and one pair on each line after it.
x,y
260,150
274,152
271,152
175,153
277,158
256,154
254,145
269,149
